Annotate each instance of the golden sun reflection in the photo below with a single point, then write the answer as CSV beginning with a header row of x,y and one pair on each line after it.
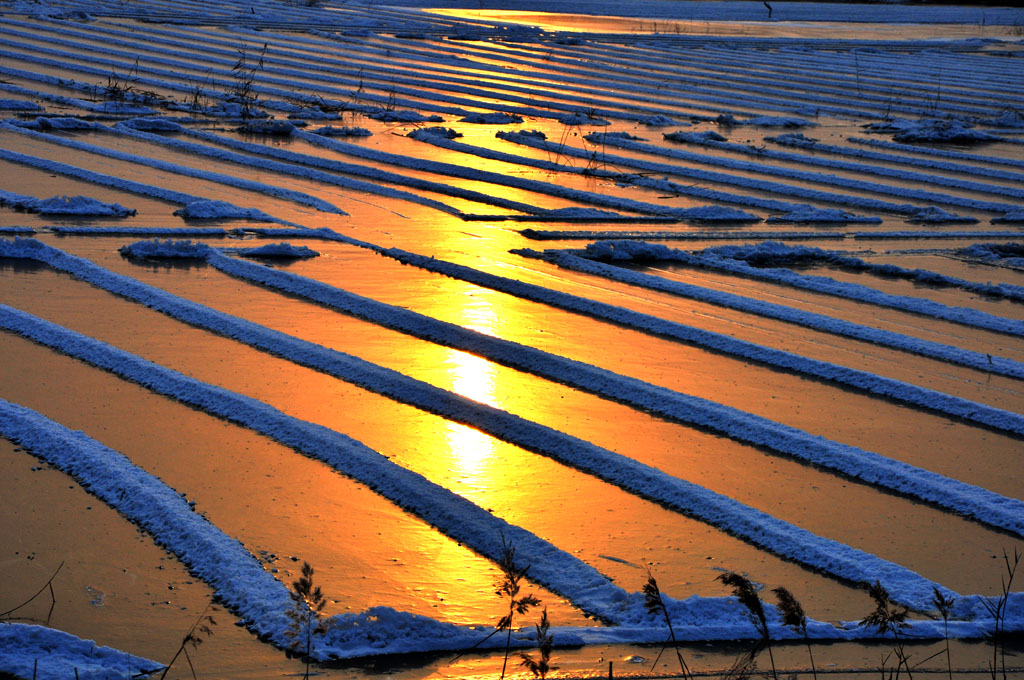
x,y
473,378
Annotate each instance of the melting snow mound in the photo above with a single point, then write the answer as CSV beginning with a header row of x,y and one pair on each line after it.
x,y
78,206
218,210
660,121
1010,254
492,118
936,215
581,119
438,131
156,249
61,655
278,251
153,125
345,131
806,214
934,131
403,117
717,213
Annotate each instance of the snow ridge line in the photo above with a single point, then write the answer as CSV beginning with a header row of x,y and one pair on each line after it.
x,y
931,151
698,61
128,185
227,180
813,320
607,201
731,516
464,172
764,169
298,165
807,159
795,141
453,515
819,284
948,405
848,262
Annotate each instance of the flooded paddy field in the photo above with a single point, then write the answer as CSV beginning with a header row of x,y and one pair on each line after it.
x,y
425,298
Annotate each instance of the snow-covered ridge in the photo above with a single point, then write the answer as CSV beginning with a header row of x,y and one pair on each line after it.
x,y
29,651
743,521
720,259
982,362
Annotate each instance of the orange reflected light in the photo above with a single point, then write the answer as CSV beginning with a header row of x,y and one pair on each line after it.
x,y
473,378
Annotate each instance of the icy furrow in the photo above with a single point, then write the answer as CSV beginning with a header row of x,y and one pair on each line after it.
x,y
452,514
227,180
119,183
765,169
581,584
881,171
819,284
820,322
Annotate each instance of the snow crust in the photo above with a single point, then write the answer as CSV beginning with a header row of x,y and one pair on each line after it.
x,y
492,118
807,214
342,131
69,206
933,131
29,651
734,259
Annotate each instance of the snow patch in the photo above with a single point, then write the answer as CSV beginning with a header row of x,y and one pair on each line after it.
x,y
717,213
807,214
153,124
580,118
218,210
1012,118
932,130
344,131
1010,254
123,108
276,128
492,118
698,137
935,215
29,651
659,121
76,206
170,249
438,131
403,117
278,251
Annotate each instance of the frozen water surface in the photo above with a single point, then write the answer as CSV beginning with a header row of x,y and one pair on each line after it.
x,y
456,368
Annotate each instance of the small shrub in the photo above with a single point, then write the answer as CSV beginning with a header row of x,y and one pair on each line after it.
x,y
306,614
